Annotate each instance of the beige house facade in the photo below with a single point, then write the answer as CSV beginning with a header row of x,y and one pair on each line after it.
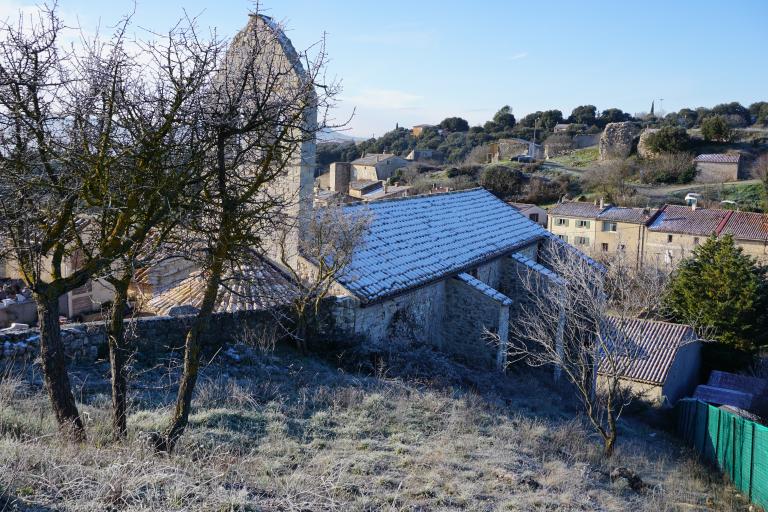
x,y
660,237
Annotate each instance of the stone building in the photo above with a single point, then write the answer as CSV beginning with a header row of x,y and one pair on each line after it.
x,y
664,361
441,269
371,167
535,213
719,168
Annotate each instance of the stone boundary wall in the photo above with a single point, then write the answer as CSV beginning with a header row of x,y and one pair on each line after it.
x,y
149,336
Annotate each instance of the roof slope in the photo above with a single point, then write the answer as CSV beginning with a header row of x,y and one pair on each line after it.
x,y
417,240
373,158
576,209
683,219
747,226
630,215
260,286
655,345
719,158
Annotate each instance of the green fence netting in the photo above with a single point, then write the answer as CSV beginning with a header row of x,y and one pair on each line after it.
x,y
738,446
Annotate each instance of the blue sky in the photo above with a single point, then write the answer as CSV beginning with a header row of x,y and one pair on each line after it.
x,y
412,62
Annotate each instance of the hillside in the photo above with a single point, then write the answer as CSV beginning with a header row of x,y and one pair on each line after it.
x,y
279,431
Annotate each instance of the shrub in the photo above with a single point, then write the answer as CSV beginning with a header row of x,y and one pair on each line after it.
x,y
669,139
723,291
716,129
670,168
501,180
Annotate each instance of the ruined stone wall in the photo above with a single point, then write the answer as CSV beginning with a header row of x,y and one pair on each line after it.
x,y
148,336
617,140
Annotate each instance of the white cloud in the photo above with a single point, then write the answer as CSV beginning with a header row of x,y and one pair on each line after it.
x,y
518,56
390,99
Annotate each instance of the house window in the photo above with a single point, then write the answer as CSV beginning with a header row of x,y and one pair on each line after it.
x,y
609,226
582,240
669,239
582,223
561,222
604,247
564,238
534,217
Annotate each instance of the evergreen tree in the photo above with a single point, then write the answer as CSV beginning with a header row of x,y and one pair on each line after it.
x,y
721,289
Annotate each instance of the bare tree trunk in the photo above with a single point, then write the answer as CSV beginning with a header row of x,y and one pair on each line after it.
x,y
118,356
192,352
55,368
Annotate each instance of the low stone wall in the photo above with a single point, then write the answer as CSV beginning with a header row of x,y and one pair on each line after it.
x,y
148,336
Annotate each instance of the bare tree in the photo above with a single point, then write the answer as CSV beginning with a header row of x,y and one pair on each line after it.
x,y
573,320
260,124
325,251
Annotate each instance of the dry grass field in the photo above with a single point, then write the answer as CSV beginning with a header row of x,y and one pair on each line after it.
x,y
279,431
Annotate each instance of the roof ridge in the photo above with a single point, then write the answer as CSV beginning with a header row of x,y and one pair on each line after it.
x,y
723,222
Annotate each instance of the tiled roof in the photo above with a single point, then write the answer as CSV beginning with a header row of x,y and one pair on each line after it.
x,y
719,158
653,348
746,225
373,158
683,219
416,240
576,209
258,287
483,288
630,215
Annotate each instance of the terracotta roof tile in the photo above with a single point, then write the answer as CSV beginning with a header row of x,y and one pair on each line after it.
x,y
654,347
719,158
576,209
685,220
747,225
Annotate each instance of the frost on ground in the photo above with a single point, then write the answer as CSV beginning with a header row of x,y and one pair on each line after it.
x,y
280,431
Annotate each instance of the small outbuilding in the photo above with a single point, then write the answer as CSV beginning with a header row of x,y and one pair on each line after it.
x,y
664,362
719,167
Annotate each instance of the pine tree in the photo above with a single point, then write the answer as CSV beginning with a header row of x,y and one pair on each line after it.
x,y
722,290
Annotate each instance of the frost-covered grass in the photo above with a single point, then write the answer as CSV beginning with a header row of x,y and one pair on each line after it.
x,y
286,432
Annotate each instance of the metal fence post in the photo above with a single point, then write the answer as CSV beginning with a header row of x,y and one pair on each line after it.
x,y
752,461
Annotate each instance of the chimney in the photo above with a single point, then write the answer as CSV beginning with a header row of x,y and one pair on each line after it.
x,y
693,205
602,203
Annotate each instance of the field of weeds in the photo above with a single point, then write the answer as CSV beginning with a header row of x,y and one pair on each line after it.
x,y
281,431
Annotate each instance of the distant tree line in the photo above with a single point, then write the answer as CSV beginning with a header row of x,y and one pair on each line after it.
x,y
454,138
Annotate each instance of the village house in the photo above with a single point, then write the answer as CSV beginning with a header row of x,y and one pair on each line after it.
x,y
664,361
719,167
417,130
424,155
660,237
535,213
373,167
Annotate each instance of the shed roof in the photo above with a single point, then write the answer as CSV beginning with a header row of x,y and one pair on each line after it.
x,y
259,286
685,220
747,226
576,209
718,158
655,345
417,240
